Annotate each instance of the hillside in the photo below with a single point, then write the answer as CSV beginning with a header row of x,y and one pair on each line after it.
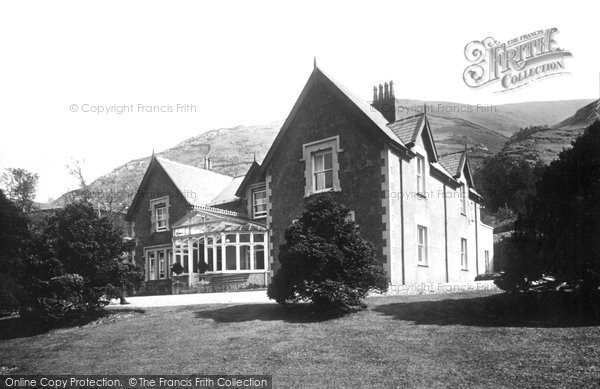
x,y
232,150
547,142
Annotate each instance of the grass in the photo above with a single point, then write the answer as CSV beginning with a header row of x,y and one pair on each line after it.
x,y
458,340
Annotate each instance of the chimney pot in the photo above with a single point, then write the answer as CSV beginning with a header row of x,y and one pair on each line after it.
x,y
380,92
374,94
392,89
386,91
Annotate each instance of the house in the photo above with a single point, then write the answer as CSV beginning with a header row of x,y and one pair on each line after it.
x,y
419,208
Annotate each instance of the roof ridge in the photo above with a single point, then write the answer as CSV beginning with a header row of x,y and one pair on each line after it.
x,y
408,117
191,166
453,153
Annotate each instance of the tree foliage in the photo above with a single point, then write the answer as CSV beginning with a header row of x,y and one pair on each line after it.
x,y
20,186
74,265
14,236
557,234
507,183
326,261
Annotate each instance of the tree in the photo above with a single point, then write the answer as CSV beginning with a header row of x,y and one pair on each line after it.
x,y
20,186
75,265
14,235
557,235
326,261
507,183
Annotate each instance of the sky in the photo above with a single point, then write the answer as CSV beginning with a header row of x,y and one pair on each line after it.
x,y
240,62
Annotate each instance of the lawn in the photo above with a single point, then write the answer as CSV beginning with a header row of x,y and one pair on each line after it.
x,y
444,340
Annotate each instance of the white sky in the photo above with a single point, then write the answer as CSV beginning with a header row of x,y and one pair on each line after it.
x,y
240,63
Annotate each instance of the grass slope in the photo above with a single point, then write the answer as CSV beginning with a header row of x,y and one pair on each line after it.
x,y
409,341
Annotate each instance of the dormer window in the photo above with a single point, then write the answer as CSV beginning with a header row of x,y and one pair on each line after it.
x,y
420,174
321,166
160,214
259,202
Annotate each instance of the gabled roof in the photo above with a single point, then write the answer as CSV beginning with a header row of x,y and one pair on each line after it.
x,y
252,175
457,164
453,162
408,128
228,194
197,186
318,76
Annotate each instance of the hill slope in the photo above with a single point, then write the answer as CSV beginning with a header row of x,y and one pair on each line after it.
x,y
546,143
232,150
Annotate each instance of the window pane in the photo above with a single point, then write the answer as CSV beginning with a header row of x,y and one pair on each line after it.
x,y
318,162
195,260
328,157
259,257
230,238
244,257
230,258
244,237
219,259
329,179
259,237
209,254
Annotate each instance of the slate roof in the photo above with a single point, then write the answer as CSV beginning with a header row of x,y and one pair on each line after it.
x,y
198,186
453,162
407,129
228,193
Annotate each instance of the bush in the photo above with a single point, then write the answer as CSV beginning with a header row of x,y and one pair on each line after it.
x,y
74,266
326,261
177,269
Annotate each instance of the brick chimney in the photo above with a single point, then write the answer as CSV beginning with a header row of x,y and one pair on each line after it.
x,y
384,100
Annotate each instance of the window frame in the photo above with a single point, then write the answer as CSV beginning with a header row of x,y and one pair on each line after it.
x,y
464,255
421,174
422,256
161,203
314,148
253,192
314,155
463,199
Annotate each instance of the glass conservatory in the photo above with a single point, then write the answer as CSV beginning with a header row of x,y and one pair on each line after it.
x,y
227,242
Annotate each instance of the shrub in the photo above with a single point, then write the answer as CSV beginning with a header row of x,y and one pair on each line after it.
x,y
326,261
74,266
177,268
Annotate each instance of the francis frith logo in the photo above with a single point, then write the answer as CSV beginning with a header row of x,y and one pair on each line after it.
x,y
516,62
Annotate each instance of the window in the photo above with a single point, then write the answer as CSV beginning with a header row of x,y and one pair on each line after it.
x,y
322,170
488,265
463,253
420,174
259,203
160,214
421,245
259,257
321,165
151,266
158,261
161,264
463,199
242,251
